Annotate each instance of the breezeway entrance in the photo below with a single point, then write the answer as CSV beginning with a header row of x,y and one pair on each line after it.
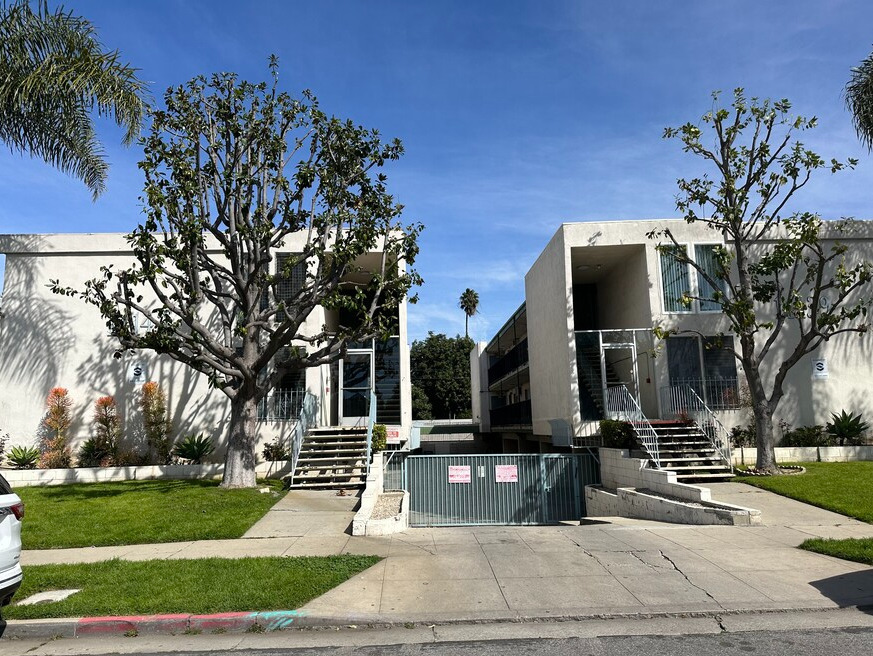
x,y
475,490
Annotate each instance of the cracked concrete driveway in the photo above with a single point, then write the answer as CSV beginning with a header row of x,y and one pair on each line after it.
x,y
625,566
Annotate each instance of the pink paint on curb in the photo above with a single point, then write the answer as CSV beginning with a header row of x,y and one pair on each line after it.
x,y
124,624
229,622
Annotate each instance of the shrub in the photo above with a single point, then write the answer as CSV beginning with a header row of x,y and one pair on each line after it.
x,y
107,433
156,422
23,457
617,434
744,436
847,429
4,439
55,454
806,436
380,438
194,448
93,453
276,451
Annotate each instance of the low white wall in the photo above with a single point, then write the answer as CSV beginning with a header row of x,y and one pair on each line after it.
x,y
34,477
618,469
630,489
747,456
627,502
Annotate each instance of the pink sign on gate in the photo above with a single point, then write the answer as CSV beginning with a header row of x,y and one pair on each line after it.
x,y
506,473
459,474
392,434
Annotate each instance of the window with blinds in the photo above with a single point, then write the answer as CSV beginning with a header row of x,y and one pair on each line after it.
x,y
704,255
675,280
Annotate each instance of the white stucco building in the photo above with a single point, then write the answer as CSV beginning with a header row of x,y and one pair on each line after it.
x,y
592,298
47,341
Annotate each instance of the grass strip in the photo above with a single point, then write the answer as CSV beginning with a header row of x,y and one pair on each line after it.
x,y
207,585
858,549
842,487
138,512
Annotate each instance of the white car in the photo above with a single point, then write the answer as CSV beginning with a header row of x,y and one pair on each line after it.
x,y
11,514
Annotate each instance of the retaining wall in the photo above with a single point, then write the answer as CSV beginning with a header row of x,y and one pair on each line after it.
x,y
747,456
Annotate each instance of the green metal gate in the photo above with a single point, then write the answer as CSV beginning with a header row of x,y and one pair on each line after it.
x,y
472,490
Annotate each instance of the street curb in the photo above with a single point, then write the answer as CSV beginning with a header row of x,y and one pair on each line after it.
x,y
133,625
264,621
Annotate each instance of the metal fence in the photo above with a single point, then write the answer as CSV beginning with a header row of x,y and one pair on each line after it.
x,y
281,405
508,489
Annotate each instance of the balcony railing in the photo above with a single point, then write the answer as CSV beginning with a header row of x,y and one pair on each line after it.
x,y
514,358
514,414
723,394
281,405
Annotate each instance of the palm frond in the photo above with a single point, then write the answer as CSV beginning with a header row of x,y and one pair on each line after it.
x,y
53,75
859,100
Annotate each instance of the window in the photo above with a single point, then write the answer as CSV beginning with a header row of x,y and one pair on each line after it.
x,y
704,255
706,365
289,282
676,280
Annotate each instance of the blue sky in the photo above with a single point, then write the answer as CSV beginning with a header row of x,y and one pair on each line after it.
x,y
516,116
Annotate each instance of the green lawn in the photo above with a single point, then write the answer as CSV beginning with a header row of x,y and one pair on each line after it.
x,y
138,512
858,549
844,487
208,585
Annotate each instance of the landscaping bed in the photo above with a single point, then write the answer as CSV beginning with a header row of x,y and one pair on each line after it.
x,y
139,512
208,585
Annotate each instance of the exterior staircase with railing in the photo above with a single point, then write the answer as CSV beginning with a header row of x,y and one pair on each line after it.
x,y
685,449
332,457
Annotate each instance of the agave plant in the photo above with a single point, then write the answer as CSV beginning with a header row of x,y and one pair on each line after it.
x,y
847,429
23,457
194,448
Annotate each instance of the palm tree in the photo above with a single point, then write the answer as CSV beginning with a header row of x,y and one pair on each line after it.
x,y
53,75
859,99
469,303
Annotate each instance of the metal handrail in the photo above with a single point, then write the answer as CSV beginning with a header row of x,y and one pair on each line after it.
x,y
307,417
622,406
371,421
685,402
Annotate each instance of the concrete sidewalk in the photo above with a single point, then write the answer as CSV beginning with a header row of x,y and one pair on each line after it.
x,y
618,568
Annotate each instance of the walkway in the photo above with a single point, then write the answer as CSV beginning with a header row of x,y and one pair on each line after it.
x,y
626,566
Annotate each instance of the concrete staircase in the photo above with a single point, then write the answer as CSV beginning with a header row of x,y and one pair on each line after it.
x,y
588,369
332,457
686,450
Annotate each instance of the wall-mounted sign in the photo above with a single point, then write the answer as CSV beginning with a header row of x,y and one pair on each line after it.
x,y
506,473
460,474
392,434
137,372
820,368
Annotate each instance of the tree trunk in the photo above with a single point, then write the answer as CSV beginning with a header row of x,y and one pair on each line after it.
x,y
766,439
239,463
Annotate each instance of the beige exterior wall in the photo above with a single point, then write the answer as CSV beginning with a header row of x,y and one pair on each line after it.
x,y
49,341
553,378
625,266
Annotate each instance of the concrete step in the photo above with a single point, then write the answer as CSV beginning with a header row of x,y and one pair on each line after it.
x,y
713,458
332,451
331,459
326,484
684,468
712,476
